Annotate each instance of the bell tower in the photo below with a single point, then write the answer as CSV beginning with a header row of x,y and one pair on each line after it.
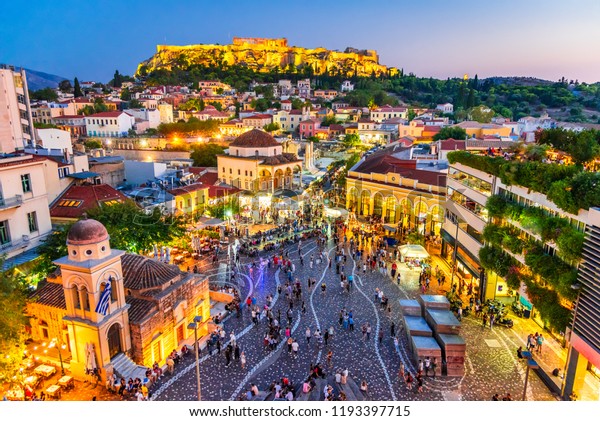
x,y
91,273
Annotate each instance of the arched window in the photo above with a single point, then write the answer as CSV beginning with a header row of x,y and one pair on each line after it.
x,y
84,298
75,297
113,289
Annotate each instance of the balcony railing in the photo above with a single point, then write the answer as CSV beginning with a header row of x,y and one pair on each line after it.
x,y
11,202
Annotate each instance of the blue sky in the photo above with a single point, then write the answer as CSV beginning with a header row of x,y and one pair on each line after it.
x,y
439,38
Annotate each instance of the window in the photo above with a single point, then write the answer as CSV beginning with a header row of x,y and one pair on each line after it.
x,y
26,183
239,172
230,171
32,221
66,203
75,296
84,299
4,232
250,173
223,169
63,172
246,173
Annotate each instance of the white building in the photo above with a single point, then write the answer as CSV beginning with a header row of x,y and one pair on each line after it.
x,y
139,172
347,86
166,112
24,213
55,139
16,121
151,116
109,124
446,108
386,112
304,88
285,87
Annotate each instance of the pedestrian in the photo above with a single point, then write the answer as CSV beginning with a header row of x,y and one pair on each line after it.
x,y
295,347
485,319
540,342
393,330
427,365
380,336
308,335
408,380
492,319
326,336
401,371
330,359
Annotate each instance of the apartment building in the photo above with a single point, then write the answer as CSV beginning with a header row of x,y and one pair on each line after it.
x,y
24,214
16,121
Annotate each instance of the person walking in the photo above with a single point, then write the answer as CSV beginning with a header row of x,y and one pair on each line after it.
x,y
401,371
330,358
308,335
540,342
380,336
393,330
243,360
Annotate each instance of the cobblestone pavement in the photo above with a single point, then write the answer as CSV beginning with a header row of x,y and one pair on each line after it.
x,y
491,365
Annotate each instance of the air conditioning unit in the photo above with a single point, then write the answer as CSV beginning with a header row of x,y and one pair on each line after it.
x,y
25,238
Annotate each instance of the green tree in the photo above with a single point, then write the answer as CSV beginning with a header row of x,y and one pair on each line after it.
x,y
44,125
45,94
205,155
351,140
12,322
65,86
126,94
584,148
481,114
411,114
135,103
451,132
271,127
77,89
93,144
117,80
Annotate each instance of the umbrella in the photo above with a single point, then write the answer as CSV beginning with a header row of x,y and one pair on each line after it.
x,y
413,251
90,357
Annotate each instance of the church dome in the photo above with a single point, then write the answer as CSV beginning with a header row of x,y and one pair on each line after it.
x,y
86,231
255,138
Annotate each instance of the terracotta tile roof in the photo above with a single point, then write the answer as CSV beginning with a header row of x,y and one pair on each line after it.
x,y
258,117
109,114
221,191
180,191
383,163
197,170
90,196
284,158
452,145
49,294
140,309
255,139
209,178
26,159
69,117
140,272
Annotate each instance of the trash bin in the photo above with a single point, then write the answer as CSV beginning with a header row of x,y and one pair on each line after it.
x,y
526,313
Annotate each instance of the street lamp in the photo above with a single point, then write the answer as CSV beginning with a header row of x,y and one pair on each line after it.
x,y
576,287
194,326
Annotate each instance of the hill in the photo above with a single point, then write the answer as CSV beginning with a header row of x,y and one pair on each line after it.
x,y
265,55
38,80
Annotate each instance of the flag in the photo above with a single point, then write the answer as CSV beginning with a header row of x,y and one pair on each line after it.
x,y
104,300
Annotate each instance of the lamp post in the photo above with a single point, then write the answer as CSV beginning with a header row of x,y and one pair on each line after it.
x,y
194,326
531,364
455,251
577,287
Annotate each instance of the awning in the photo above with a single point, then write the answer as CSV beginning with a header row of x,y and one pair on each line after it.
x,y
472,270
335,212
413,251
390,227
447,237
209,222
83,175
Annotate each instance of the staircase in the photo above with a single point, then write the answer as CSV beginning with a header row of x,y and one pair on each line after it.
x,y
124,367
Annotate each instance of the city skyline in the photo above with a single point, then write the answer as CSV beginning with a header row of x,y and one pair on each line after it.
x,y
542,40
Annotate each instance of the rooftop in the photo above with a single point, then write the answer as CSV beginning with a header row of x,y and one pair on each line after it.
x,y
255,139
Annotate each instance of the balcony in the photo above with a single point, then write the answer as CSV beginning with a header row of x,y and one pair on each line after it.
x,y
14,244
11,202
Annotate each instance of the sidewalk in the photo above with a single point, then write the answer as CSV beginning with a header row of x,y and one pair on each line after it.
x,y
553,354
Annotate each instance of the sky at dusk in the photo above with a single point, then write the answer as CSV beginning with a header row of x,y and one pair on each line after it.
x,y
439,38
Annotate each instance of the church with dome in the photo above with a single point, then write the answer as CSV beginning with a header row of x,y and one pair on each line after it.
x,y
256,162
143,315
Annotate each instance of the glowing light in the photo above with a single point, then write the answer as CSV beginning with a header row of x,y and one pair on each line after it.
x,y
199,139
108,142
143,143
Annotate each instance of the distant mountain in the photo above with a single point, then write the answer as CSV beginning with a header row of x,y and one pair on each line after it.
x,y
39,80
